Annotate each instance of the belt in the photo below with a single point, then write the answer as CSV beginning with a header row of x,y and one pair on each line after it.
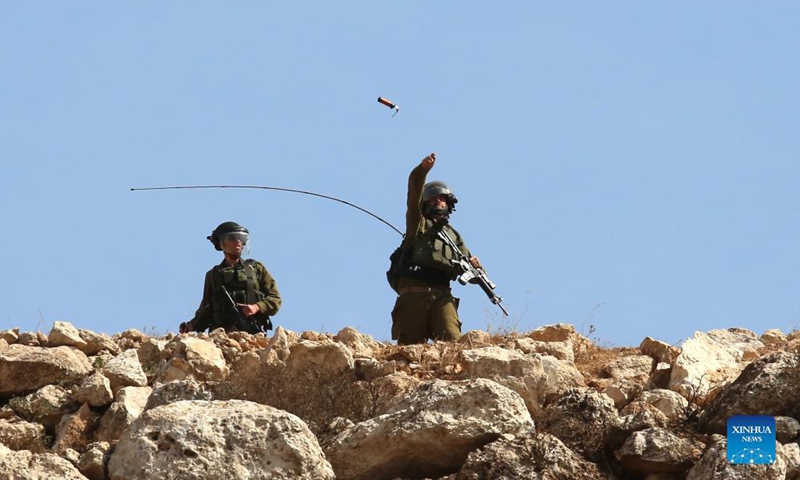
x,y
421,289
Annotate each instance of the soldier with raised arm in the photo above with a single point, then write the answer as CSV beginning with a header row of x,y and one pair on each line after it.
x,y
425,308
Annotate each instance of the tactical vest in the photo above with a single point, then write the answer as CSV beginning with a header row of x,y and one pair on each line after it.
x,y
242,284
429,259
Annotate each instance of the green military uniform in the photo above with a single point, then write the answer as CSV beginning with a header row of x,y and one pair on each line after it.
x,y
248,282
425,308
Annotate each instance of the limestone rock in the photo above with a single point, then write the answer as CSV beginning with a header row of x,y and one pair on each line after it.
x,y
130,339
92,463
714,464
560,350
71,455
25,465
561,332
530,457
360,345
656,450
46,405
97,342
773,337
475,339
17,434
76,430
791,455
630,368
125,371
64,333
94,390
670,403
191,357
151,352
369,369
628,375
281,341
535,377
581,418
178,390
616,393
129,403
326,356
31,339
643,418
25,369
767,386
787,429
10,336
430,433
709,360
151,356
409,354
661,352
212,440
231,344
659,377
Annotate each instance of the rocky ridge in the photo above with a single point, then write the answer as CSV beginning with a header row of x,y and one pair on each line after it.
x,y
547,404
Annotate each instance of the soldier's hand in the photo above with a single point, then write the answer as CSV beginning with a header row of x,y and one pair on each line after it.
x,y
249,310
475,262
186,327
427,162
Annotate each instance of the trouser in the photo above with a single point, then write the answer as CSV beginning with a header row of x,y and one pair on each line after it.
x,y
418,316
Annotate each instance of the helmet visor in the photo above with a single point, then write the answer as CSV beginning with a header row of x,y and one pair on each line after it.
x,y
234,236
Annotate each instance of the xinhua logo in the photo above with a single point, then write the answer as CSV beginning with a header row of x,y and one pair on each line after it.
x,y
751,439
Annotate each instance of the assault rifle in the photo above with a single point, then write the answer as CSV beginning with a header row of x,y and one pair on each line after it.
x,y
242,323
239,321
472,274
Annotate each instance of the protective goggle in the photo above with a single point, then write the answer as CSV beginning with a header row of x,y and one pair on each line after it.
x,y
233,236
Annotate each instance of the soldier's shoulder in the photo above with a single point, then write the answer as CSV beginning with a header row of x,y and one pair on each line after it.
x,y
458,237
255,263
452,228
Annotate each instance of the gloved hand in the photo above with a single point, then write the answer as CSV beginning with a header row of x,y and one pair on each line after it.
x,y
186,327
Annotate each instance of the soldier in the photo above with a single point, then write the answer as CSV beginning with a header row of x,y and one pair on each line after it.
x,y
425,308
238,295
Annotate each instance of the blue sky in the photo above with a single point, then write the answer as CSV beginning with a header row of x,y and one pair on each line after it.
x,y
630,168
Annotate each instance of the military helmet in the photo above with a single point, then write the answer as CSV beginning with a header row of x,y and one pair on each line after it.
x,y
225,228
435,188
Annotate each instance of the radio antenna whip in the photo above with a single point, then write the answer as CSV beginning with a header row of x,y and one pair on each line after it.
x,y
261,187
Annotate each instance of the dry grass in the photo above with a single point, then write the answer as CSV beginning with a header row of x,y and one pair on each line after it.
x,y
593,360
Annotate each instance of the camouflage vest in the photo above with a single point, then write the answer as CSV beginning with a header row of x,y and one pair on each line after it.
x,y
242,284
430,258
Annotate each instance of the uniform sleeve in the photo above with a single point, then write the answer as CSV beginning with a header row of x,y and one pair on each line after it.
x,y
271,302
204,315
416,182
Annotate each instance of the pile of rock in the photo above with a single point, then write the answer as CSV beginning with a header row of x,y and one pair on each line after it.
x,y
82,405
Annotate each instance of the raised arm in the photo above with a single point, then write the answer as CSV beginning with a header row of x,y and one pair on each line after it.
x,y
416,182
